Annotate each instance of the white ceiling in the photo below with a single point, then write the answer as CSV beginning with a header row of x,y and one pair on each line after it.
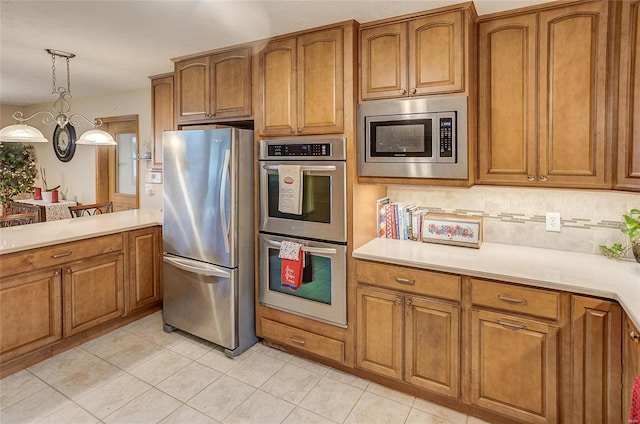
x,y
118,44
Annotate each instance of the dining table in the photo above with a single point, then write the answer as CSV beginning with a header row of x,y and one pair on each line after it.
x,y
51,211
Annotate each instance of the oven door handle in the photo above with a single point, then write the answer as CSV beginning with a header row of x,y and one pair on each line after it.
x,y
303,168
308,249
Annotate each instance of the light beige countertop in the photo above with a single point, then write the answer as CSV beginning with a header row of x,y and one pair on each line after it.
x,y
24,237
554,269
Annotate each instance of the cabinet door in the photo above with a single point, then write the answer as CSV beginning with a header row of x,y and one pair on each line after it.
x,y
30,312
383,56
320,82
93,293
628,175
432,345
631,364
436,52
231,84
278,64
573,63
507,136
379,332
145,255
161,114
514,366
596,360
193,92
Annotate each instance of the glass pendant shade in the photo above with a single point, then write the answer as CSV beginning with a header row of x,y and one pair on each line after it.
x,y
96,138
21,133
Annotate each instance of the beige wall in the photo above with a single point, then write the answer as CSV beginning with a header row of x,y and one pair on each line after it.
x,y
77,177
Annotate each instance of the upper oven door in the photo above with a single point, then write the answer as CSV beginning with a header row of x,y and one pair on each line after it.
x,y
323,201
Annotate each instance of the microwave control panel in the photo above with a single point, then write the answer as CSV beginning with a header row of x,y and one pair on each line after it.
x,y
446,137
298,150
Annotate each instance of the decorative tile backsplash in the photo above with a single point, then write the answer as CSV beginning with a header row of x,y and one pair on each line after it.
x,y
517,215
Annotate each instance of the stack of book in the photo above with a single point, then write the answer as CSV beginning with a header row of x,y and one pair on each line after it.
x,y
399,220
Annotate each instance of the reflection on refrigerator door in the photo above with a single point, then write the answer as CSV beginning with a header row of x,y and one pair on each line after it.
x,y
202,298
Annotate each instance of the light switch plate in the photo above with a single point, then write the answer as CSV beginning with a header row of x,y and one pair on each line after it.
x,y
154,177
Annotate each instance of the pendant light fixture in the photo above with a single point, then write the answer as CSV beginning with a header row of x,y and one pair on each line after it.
x,y
23,133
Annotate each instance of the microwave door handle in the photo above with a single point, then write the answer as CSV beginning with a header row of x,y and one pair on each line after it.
x,y
196,267
308,249
327,168
223,185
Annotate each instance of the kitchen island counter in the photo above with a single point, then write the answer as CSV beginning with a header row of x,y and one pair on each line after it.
x,y
25,237
554,269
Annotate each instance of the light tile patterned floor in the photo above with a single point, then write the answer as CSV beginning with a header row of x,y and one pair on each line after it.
x,y
139,374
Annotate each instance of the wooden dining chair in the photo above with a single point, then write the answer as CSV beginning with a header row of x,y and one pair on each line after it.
x,y
14,219
91,209
19,207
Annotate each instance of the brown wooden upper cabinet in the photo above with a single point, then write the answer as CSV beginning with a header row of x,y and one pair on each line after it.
x,y
213,87
629,111
413,57
542,98
301,83
161,113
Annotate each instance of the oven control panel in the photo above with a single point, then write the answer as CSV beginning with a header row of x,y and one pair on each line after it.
x,y
308,149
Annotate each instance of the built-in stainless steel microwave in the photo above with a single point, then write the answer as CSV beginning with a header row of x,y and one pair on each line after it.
x,y
420,138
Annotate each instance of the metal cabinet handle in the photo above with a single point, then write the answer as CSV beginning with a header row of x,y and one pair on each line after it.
x,y
61,255
543,178
56,274
511,299
68,270
407,301
403,91
404,280
398,301
510,325
531,178
634,336
297,340
292,131
413,91
299,130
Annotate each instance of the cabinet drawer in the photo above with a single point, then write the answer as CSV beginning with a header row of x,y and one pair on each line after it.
x,y
433,284
303,340
59,254
535,302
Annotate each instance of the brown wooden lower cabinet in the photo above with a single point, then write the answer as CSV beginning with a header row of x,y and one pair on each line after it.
x,y
93,293
145,259
55,296
409,338
514,366
596,361
30,312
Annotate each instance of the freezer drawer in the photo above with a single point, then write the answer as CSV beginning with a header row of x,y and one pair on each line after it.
x,y
199,298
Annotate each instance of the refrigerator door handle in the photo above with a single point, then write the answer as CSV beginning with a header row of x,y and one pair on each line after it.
x,y
197,267
308,249
223,206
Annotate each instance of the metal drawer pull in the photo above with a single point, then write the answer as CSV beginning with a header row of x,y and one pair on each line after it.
x,y
634,336
61,255
512,326
404,280
511,299
297,340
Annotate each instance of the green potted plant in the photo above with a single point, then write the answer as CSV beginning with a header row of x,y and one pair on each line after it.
x,y
17,171
630,227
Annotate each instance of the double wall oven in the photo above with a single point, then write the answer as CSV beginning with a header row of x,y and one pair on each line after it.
x,y
321,228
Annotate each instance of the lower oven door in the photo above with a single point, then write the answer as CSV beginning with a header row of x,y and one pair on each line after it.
x,y
323,293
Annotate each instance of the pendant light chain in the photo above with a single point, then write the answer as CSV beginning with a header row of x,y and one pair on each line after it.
x,y
53,70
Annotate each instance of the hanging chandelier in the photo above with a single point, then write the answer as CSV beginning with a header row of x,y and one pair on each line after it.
x,y
23,133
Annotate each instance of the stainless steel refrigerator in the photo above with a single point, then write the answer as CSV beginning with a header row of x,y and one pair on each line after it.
x,y
208,271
